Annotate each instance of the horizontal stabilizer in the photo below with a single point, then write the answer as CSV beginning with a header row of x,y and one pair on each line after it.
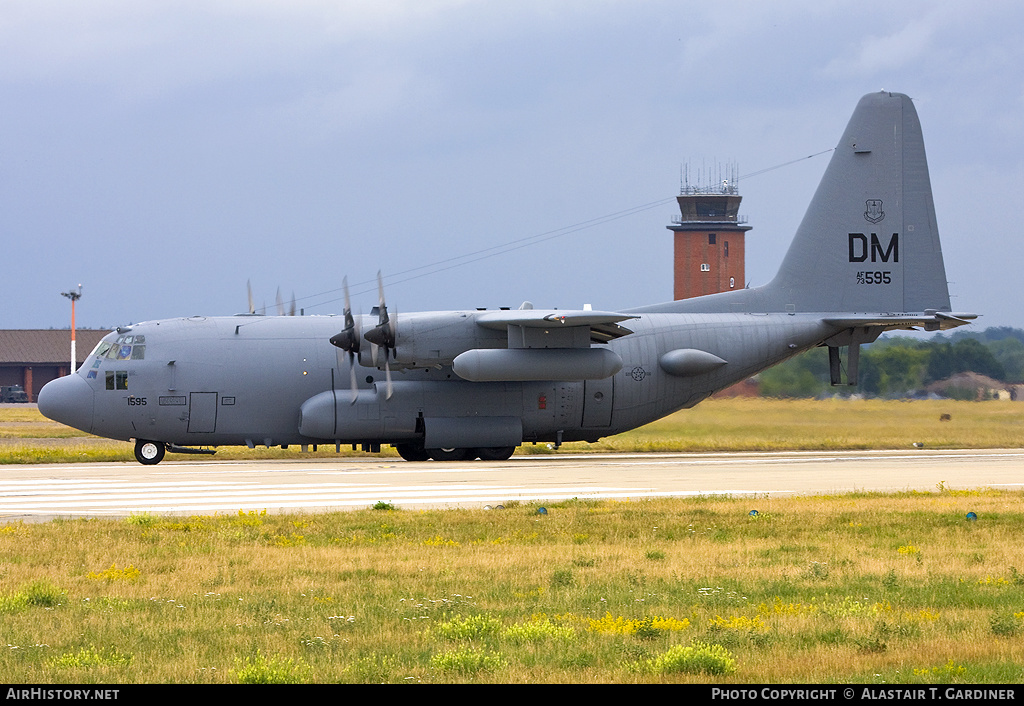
x,y
929,321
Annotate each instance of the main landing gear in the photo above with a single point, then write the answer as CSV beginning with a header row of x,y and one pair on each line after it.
x,y
149,453
416,452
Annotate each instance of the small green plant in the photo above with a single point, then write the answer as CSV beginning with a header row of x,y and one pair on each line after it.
x,y
656,555
891,581
645,629
844,607
372,669
1004,625
466,660
43,593
473,627
142,519
381,505
818,570
260,670
872,644
537,631
696,658
562,578
90,657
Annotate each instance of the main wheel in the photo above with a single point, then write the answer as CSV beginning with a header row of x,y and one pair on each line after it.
x,y
496,453
449,454
149,453
412,452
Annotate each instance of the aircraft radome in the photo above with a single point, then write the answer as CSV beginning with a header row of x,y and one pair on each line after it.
x,y
461,385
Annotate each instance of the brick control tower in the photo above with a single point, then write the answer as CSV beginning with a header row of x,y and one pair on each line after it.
x,y
709,235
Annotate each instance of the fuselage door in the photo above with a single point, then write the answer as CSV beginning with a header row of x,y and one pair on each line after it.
x,y
597,402
202,412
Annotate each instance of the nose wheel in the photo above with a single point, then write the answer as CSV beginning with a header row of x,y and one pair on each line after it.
x,y
149,453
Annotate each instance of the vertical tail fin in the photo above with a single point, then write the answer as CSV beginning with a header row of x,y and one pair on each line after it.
x,y
869,241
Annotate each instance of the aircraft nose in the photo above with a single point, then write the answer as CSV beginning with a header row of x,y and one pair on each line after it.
x,y
67,400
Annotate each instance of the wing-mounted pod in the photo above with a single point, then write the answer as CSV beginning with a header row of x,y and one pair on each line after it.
x,y
545,345
524,364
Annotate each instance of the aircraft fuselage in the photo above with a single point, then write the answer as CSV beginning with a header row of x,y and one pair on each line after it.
x,y
466,384
212,381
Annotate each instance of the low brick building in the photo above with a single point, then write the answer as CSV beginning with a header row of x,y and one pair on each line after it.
x,y
970,385
33,357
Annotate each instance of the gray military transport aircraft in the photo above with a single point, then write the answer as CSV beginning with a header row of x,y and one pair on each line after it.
x,y
477,384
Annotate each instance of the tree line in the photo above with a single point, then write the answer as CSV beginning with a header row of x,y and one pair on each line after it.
x,y
900,366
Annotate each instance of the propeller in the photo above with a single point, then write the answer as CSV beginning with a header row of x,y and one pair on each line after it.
x,y
280,305
348,340
383,335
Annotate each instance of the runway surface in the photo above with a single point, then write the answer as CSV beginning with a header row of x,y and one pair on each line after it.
x,y
42,492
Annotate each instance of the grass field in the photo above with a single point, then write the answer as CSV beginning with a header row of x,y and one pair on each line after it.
x,y
855,588
714,425
858,588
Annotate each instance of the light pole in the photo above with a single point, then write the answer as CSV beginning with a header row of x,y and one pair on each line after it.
x,y
74,295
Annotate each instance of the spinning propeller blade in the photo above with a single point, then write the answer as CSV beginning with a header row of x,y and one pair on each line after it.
x,y
348,339
381,336
384,334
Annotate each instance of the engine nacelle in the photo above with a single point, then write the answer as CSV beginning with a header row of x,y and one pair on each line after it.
x,y
431,339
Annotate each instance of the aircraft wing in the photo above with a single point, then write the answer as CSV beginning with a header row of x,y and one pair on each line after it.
x,y
603,326
551,344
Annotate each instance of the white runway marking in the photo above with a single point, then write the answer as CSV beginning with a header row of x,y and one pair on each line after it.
x,y
39,492
110,498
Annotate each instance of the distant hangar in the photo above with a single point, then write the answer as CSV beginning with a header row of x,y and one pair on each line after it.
x,y
33,357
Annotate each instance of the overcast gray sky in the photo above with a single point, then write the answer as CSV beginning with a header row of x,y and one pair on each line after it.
x,y
163,153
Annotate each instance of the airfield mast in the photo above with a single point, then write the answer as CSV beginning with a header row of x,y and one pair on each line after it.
x,y
709,233
74,295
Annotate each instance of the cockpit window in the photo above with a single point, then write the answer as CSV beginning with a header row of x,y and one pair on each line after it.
x,y
123,348
117,380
